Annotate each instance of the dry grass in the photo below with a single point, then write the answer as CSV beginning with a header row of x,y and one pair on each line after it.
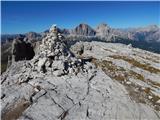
x,y
147,90
122,75
136,75
110,69
137,64
119,77
137,96
154,83
154,101
151,59
109,65
155,98
140,77
16,111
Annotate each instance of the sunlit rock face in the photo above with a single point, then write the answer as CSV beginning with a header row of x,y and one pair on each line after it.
x,y
91,80
84,30
103,30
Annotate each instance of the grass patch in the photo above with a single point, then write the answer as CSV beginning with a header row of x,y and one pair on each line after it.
x,y
140,77
121,75
137,96
137,64
16,110
147,90
151,59
110,69
155,83
136,75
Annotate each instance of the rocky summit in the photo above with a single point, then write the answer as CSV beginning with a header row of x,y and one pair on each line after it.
x,y
88,81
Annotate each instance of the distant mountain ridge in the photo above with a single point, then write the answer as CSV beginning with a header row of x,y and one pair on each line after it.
x,y
83,29
147,38
149,33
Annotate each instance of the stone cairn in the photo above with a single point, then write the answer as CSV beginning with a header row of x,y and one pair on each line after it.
x,y
55,56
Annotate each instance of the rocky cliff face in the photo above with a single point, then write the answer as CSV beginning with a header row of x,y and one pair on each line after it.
x,y
103,30
150,33
83,29
33,36
22,50
22,46
105,81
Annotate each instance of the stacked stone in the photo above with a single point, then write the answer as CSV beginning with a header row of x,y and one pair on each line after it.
x,y
53,45
55,56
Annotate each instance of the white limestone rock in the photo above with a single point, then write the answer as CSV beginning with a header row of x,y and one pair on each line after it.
x,y
41,62
79,90
58,73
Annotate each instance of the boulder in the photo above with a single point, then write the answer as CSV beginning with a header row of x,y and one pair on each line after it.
x,y
41,64
58,73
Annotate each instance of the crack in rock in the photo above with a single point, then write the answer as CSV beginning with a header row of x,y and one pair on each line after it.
x,y
35,96
63,115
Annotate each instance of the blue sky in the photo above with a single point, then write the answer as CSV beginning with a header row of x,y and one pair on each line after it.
x,y
25,16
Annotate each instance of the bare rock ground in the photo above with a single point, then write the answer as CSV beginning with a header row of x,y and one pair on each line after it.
x,y
120,83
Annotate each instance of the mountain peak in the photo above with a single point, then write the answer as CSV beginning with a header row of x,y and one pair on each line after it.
x,y
83,26
102,30
84,29
102,25
153,25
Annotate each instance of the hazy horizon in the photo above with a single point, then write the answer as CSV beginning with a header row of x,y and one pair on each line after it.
x,y
76,26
